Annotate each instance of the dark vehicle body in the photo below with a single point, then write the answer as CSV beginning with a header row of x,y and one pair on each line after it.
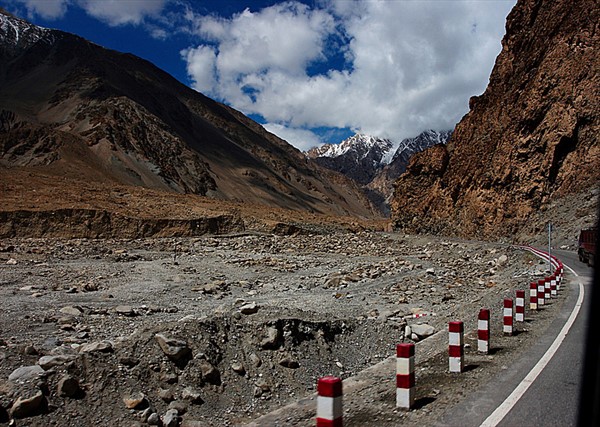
x,y
587,246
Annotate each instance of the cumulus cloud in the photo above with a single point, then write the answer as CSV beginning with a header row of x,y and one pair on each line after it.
x,y
407,66
302,139
112,12
120,12
47,9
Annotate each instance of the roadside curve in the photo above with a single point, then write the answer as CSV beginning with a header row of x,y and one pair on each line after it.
x,y
515,397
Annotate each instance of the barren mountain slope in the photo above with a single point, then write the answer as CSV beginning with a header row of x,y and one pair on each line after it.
x,y
529,142
70,108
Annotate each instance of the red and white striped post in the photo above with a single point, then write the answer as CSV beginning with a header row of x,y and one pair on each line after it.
x,y
533,300
329,402
541,292
520,306
547,289
456,343
405,375
483,331
553,293
508,316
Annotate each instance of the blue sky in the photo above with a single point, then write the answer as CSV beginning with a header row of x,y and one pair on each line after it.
x,y
311,72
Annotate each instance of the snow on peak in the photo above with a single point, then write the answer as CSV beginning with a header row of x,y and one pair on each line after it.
x,y
359,144
17,33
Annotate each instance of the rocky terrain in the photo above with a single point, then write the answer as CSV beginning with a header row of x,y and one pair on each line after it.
x,y
221,330
530,142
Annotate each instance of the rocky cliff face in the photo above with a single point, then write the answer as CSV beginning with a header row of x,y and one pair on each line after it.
x,y
530,140
70,108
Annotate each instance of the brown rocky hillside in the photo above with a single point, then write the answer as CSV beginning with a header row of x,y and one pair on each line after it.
x,y
75,112
529,146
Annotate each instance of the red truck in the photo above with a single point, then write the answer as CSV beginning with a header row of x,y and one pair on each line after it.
x,y
587,246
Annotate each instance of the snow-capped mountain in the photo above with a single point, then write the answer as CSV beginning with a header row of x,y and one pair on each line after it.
x,y
375,162
358,157
17,34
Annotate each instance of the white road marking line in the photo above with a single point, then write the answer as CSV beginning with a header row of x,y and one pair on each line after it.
x,y
501,411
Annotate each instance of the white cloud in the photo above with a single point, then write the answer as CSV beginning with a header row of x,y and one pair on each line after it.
x,y
47,9
122,12
300,138
413,65
112,12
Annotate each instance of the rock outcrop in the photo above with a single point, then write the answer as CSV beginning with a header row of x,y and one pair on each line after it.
x,y
529,140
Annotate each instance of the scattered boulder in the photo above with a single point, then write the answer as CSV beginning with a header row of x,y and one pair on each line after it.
x,y
26,373
68,386
192,395
174,348
136,401
210,374
97,347
249,308
171,418
423,330
71,311
28,406
125,310
272,338
48,362
289,362
238,368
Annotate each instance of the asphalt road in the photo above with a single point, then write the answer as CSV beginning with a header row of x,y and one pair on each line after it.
x,y
552,399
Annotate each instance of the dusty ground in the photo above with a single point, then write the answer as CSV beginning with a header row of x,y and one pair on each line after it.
x,y
250,322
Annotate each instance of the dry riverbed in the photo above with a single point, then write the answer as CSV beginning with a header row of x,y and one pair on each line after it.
x,y
221,330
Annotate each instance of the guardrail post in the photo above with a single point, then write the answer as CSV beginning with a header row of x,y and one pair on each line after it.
x,y
456,346
405,375
329,402
533,299
508,316
483,331
520,306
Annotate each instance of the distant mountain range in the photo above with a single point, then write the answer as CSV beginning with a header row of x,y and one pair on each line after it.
x,y
375,163
71,108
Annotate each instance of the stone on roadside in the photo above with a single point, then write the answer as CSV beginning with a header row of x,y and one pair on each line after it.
x,y
68,386
96,347
173,348
289,362
503,259
26,373
125,310
272,338
171,418
423,330
48,362
71,311
28,406
249,308
136,401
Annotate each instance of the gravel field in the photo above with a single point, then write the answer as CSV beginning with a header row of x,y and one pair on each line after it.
x,y
222,330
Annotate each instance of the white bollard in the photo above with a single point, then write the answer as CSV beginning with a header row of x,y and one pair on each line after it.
x,y
405,375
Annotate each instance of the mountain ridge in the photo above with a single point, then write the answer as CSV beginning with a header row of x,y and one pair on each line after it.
x,y
72,107
375,162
